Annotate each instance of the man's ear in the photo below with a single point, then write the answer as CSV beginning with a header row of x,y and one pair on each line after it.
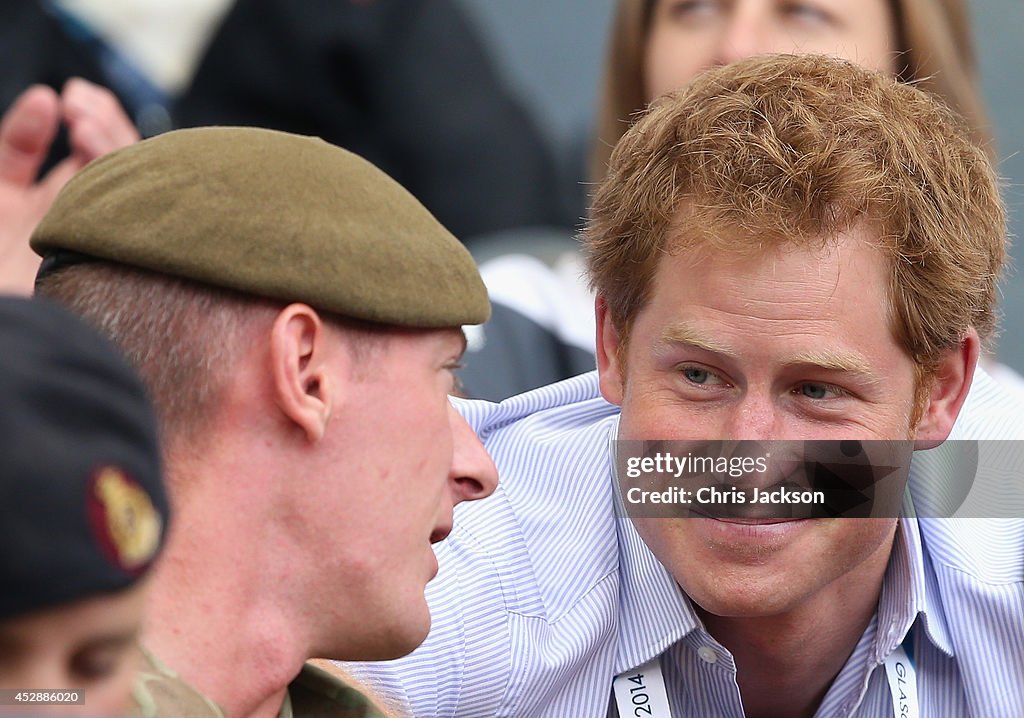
x,y
948,392
298,357
609,368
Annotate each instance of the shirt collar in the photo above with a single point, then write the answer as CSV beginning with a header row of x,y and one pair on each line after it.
x,y
654,612
909,590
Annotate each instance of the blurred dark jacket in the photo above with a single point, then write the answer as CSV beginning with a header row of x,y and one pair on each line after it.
x,y
407,84
37,48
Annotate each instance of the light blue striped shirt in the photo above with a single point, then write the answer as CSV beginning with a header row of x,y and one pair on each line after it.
x,y
544,594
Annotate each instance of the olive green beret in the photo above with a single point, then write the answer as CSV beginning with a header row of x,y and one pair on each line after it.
x,y
272,214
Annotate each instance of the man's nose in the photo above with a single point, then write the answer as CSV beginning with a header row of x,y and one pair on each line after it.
x,y
473,474
754,418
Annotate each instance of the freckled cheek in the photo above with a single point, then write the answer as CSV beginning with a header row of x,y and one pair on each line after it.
x,y
893,423
794,424
662,415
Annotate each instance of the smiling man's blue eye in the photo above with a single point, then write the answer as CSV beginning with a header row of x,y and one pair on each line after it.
x,y
697,376
814,391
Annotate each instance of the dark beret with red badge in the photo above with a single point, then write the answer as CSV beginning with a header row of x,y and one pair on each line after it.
x,y
82,504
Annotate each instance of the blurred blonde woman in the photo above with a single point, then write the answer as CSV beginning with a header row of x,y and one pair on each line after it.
x,y
659,45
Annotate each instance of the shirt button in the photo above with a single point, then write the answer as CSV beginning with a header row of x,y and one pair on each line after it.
x,y
707,654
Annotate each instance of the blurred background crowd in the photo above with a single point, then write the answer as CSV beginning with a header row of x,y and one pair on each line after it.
x,y
487,111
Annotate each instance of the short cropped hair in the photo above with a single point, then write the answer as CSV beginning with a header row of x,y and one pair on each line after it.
x,y
794,150
179,335
183,337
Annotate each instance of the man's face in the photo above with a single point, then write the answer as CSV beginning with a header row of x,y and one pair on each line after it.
x,y
409,457
791,344
89,645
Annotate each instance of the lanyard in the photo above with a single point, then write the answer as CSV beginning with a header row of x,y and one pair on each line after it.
x,y
641,693
902,675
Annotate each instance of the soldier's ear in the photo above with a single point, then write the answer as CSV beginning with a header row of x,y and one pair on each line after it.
x,y
947,392
299,352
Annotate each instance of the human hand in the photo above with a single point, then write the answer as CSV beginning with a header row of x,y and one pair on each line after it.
x,y
96,124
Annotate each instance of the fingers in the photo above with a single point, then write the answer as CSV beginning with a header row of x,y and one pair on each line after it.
x,y
46,189
96,122
26,132
96,125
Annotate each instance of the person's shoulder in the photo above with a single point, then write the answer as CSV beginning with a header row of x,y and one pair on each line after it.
x,y
159,692
989,551
573,404
320,693
969,494
553,450
993,410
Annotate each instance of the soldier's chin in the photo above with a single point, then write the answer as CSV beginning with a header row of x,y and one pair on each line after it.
x,y
389,640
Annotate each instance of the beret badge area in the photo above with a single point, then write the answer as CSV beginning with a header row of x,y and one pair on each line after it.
x,y
123,519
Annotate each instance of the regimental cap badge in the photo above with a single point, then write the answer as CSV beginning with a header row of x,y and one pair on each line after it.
x,y
123,519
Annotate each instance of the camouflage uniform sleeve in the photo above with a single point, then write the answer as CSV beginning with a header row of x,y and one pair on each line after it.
x,y
316,693
159,692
